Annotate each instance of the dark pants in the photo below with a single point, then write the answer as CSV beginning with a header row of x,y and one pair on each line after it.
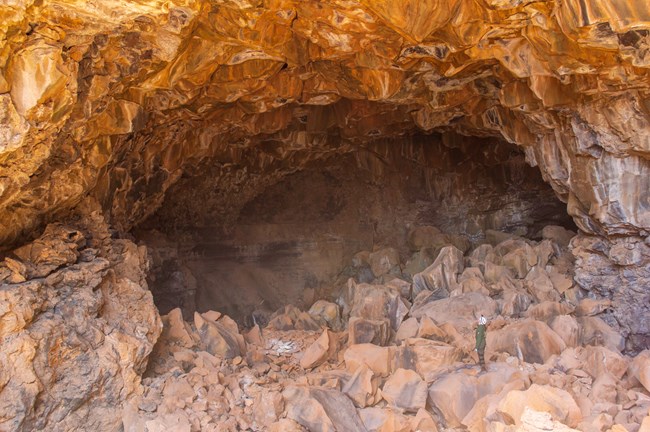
x,y
481,356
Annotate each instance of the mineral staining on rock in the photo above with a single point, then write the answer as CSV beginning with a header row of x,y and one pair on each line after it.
x,y
120,103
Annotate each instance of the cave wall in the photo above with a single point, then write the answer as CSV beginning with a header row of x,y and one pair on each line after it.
x,y
291,239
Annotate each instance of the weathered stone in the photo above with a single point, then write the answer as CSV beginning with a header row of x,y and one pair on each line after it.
x,y
639,368
556,402
361,331
361,387
405,389
318,352
376,303
441,277
532,341
425,357
374,357
327,313
321,409
217,339
595,331
462,311
567,328
408,329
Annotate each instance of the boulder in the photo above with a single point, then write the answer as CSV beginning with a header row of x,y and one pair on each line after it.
x,y
318,352
408,329
376,303
368,331
540,286
480,256
425,356
326,313
361,387
383,261
218,339
515,302
558,234
598,360
567,328
595,331
441,277
321,409
561,281
520,259
420,260
376,358
530,340
424,236
454,396
461,311
429,330
639,369
557,402
378,419
405,390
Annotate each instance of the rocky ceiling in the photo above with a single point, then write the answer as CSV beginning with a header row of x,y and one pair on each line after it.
x,y
116,99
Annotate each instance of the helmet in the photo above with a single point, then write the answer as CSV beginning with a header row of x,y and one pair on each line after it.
x,y
482,320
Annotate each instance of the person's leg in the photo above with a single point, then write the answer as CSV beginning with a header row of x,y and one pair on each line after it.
x,y
481,358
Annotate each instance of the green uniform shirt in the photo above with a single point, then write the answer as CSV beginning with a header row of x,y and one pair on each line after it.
x,y
480,337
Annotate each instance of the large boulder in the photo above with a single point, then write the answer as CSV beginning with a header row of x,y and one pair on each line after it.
x,y
595,331
218,338
557,402
406,390
532,341
639,369
462,311
374,357
376,303
368,331
383,261
424,356
321,409
441,277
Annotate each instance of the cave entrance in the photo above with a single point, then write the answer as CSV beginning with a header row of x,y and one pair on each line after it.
x,y
246,239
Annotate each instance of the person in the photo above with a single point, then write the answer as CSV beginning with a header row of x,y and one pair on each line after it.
x,y
481,337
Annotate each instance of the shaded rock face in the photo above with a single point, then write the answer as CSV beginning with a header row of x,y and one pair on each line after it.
x,y
297,237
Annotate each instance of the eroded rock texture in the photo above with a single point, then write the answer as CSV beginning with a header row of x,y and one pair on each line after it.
x,y
119,100
77,324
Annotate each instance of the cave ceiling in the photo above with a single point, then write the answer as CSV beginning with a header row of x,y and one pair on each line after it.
x,y
118,99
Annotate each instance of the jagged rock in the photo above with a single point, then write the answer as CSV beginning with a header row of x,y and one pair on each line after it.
x,y
408,329
269,407
374,357
361,331
64,335
540,286
556,402
424,236
404,389
377,419
326,313
567,328
321,409
441,277
547,310
532,341
515,302
429,330
639,368
361,387
376,303
217,339
318,352
596,361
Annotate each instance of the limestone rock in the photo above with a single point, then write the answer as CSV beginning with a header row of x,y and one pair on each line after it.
x,y
362,331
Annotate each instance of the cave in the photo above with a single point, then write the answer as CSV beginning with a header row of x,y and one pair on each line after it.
x,y
173,172
291,236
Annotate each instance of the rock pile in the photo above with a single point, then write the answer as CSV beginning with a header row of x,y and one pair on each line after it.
x,y
396,353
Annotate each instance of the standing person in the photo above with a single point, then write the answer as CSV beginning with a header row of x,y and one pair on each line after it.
x,y
481,336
